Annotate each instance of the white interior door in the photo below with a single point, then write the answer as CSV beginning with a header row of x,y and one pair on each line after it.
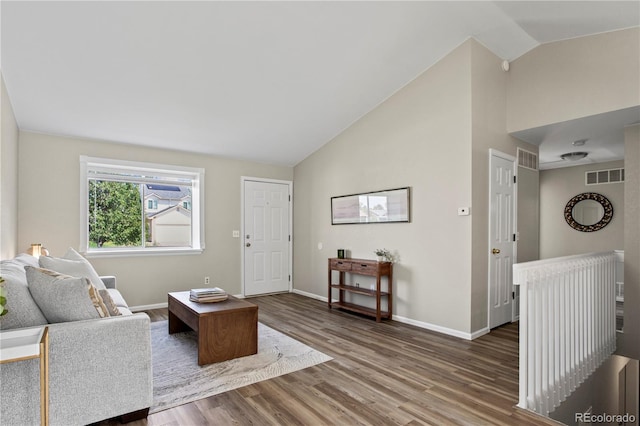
x,y
266,239
501,238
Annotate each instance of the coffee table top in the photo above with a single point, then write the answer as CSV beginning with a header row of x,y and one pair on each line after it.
x,y
226,306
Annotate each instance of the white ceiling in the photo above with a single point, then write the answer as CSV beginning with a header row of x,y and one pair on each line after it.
x,y
263,81
603,136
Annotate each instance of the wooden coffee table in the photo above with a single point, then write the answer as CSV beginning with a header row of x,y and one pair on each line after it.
x,y
225,330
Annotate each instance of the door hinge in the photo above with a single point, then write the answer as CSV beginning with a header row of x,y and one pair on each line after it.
x,y
289,197
289,237
513,295
514,237
289,278
514,179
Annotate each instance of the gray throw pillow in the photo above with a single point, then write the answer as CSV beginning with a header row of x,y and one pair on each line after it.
x,y
62,298
74,267
22,309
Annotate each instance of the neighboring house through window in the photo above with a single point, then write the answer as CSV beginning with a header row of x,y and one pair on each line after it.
x,y
130,207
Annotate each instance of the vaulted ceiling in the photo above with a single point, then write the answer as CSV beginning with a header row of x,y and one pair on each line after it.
x,y
263,81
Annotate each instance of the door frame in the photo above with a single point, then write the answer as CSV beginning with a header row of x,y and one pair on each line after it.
x,y
512,159
243,180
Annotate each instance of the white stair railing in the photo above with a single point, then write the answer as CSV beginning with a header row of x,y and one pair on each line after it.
x,y
567,324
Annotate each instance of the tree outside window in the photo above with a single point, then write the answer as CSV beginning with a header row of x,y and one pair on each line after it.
x,y
115,214
132,207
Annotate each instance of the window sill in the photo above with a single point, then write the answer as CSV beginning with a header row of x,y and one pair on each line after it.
x,y
140,252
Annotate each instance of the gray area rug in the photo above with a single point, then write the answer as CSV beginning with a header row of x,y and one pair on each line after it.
x,y
178,379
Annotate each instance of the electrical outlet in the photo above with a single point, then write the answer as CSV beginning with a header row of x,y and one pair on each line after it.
x,y
358,285
235,234
206,280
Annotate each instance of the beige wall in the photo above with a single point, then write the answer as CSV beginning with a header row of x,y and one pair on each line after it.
x,y
557,187
433,135
528,214
489,91
631,339
574,78
49,170
9,178
420,137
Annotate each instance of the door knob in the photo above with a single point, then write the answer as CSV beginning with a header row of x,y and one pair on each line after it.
x,y
495,251
248,244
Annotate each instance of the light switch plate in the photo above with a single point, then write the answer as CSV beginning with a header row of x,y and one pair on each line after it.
x,y
236,234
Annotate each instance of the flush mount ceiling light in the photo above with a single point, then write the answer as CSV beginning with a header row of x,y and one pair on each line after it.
x,y
574,156
579,142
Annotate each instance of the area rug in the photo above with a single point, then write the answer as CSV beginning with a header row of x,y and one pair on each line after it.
x,y
178,379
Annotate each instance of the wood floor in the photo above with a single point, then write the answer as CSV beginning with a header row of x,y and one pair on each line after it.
x,y
382,374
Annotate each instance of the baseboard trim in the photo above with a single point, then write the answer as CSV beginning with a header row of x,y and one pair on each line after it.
x,y
148,307
310,295
439,328
420,324
480,333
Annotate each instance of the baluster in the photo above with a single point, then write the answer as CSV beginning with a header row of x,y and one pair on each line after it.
x,y
567,325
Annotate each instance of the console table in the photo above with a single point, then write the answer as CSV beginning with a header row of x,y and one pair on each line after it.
x,y
362,267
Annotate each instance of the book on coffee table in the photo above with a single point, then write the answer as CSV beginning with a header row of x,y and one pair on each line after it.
x,y
207,295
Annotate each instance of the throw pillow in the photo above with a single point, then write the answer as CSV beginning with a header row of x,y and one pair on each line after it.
x,y
109,303
62,298
23,310
73,267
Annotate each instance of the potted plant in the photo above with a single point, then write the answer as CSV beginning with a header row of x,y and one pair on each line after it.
x,y
3,298
383,255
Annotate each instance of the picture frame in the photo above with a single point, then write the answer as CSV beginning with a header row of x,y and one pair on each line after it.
x,y
386,206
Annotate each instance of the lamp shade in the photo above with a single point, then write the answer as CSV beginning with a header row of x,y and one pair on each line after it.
x,y
36,250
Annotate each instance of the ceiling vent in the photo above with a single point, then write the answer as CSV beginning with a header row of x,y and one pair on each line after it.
x,y
527,159
599,177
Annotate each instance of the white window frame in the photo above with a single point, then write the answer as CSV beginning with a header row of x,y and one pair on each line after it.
x,y
95,164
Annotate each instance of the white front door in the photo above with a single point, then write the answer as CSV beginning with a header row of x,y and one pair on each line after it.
x,y
501,238
266,239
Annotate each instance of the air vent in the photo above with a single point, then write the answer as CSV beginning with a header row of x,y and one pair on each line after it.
x,y
599,177
527,159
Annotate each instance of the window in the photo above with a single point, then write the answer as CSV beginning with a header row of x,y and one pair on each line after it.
x,y
129,207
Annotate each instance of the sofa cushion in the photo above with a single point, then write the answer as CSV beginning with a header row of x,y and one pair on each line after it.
x,y
73,267
63,298
22,309
109,303
117,298
124,311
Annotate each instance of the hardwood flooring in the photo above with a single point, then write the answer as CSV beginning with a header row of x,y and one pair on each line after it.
x,y
382,374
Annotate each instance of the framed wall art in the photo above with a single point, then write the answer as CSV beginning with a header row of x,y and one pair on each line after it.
x,y
388,206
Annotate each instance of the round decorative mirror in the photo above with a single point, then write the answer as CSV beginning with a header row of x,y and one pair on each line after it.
x,y
588,212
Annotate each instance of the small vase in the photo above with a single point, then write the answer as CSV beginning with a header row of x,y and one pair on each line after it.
x,y
380,258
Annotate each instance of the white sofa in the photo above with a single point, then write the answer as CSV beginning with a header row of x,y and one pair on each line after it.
x,y
98,368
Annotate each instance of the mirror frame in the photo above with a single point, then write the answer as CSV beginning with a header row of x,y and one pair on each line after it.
x,y
604,202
